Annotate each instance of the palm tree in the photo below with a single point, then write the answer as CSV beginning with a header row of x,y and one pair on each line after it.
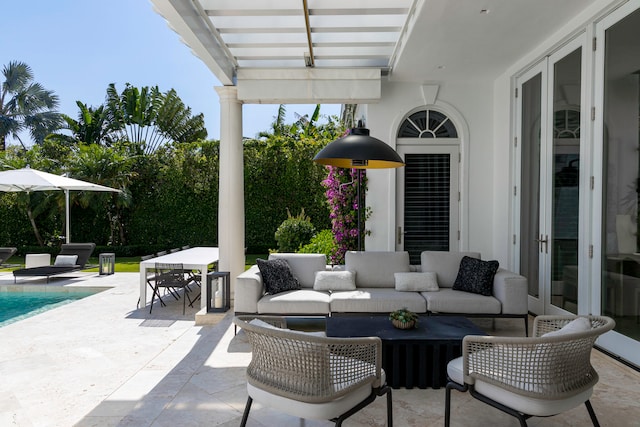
x,y
25,105
151,118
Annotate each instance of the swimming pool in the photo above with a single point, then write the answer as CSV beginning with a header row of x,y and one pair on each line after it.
x,y
18,305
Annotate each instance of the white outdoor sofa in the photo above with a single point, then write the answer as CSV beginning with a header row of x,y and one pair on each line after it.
x,y
377,290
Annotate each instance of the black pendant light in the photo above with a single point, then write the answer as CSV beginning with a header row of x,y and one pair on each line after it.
x,y
359,150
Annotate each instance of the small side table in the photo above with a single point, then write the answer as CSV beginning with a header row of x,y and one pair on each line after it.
x,y
106,264
226,291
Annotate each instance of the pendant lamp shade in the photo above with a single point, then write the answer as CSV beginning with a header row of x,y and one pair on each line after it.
x,y
359,150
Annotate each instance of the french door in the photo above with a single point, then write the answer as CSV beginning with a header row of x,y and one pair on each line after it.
x,y
549,124
428,199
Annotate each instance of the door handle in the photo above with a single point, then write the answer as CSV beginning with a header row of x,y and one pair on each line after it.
x,y
399,235
543,240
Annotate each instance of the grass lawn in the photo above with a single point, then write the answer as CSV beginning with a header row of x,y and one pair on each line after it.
x,y
124,264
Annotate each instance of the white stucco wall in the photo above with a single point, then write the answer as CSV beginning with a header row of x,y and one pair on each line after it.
x,y
471,105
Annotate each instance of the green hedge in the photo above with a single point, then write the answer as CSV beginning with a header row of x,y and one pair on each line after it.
x,y
172,198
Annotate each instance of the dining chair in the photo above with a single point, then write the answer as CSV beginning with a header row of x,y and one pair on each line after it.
x,y
171,277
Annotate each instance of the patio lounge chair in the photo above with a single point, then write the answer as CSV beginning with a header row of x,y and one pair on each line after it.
x,y
82,250
5,254
310,376
540,376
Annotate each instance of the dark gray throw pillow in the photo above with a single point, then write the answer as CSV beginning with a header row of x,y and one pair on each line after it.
x,y
277,276
476,276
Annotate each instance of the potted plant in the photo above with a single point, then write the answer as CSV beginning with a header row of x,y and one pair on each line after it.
x,y
404,318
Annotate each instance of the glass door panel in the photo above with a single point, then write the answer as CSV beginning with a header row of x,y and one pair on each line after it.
x,y
620,285
565,180
530,115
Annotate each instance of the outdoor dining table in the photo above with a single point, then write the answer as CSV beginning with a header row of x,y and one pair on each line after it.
x,y
197,258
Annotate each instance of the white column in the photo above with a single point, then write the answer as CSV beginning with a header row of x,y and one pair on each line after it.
x,y
231,192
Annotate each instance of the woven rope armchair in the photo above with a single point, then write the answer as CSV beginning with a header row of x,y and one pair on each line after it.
x,y
544,375
309,375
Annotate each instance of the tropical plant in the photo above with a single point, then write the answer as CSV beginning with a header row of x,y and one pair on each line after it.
x,y
91,127
25,105
111,167
150,118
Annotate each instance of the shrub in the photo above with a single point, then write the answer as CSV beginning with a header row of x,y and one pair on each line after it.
x,y
322,243
294,232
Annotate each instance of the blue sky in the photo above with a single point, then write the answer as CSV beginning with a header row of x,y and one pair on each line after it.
x,y
77,47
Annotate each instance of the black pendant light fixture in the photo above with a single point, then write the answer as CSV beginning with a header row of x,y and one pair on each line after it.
x,y
359,150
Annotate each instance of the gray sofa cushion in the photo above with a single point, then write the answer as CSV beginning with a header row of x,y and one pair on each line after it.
x,y
376,269
303,266
376,300
304,301
449,301
445,264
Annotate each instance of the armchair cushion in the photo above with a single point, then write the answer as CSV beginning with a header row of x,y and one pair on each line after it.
x,y
579,324
476,276
277,276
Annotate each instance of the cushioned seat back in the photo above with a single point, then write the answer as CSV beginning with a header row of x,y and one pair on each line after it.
x,y
303,266
445,264
376,269
83,250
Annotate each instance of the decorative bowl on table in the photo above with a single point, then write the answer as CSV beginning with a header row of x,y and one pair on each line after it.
x,y
403,318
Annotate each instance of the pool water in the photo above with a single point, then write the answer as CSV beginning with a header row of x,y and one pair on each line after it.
x,y
15,306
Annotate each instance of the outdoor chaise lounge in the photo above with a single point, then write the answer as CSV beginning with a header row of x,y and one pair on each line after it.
x,y
64,263
5,254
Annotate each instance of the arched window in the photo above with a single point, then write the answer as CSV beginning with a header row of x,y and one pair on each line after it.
x,y
427,124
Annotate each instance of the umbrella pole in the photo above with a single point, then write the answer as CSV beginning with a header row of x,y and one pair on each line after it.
x,y
66,203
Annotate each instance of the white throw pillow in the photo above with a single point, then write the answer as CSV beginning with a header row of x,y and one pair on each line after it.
x,y
66,260
579,324
417,282
335,281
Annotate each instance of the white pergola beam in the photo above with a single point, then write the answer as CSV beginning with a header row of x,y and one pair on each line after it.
x,y
309,86
185,19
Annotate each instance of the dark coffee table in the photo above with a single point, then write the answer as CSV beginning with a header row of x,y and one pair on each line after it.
x,y
410,357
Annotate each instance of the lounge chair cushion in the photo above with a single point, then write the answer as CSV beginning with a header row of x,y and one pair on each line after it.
x,y
376,300
66,260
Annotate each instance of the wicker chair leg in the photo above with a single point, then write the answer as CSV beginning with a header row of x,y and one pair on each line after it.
x,y
447,399
245,415
592,414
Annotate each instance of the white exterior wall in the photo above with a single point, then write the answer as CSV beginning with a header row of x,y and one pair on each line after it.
x,y
471,106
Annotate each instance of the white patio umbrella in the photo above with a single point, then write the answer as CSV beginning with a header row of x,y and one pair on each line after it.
x,y
29,180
